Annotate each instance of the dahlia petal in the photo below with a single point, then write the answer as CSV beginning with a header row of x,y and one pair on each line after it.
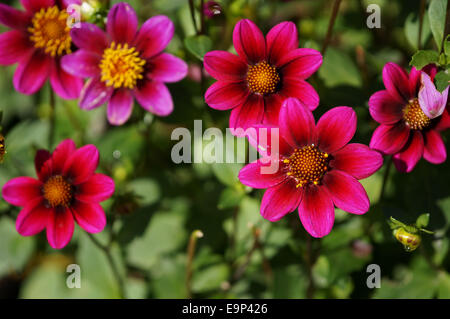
x,y
444,121
14,46
316,211
36,5
431,101
406,160
94,94
155,98
280,200
336,128
280,40
272,107
167,68
224,66
20,191
249,41
81,165
90,216
347,193
226,95
248,114
42,157
82,63
414,81
33,218
154,35
120,107
89,37
13,18
61,154
262,137
384,109
121,23
253,175
66,85
357,160
396,82
296,123
96,189
300,63
301,90
60,228
434,151
389,139
66,3
32,72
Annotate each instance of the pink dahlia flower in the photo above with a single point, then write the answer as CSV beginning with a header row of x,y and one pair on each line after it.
x,y
405,130
125,63
266,71
317,168
39,38
67,189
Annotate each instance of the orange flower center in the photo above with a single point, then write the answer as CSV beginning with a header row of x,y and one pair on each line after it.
x,y
50,31
57,191
262,78
121,66
307,165
414,116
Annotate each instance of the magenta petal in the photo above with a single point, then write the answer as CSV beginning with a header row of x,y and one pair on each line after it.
x,y
300,63
253,175
36,5
444,121
20,191
155,98
262,137
82,63
296,123
120,106
249,114
32,72
316,211
121,23
431,101
406,160
60,228
94,94
348,194
389,139
40,161
61,154
226,95
414,81
81,165
280,200
336,128
301,90
167,68
154,35
249,41
33,218
272,107
89,37
281,39
96,189
90,216
434,151
358,160
13,18
396,82
384,109
67,86
224,66
14,46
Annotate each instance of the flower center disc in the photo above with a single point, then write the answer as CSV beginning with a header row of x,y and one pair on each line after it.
x,y
414,116
262,78
121,66
57,191
307,165
50,31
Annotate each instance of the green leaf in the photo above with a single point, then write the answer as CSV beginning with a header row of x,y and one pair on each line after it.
x,y
230,197
339,69
422,220
442,80
436,15
146,189
412,30
424,57
198,45
210,278
321,272
227,173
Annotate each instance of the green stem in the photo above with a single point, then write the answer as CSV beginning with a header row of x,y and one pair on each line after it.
x,y
333,16
385,179
51,133
192,10
196,234
421,15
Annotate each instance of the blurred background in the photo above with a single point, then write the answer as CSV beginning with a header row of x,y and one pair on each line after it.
x,y
158,205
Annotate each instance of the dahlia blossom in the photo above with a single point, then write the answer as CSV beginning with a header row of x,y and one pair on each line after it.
x,y
405,130
125,63
266,71
317,167
67,189
39,38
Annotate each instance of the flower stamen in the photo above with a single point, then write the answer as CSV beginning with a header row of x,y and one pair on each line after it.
x,y
57,191
414,117
262,78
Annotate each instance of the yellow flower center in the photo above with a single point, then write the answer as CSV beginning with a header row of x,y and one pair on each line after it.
x,y
50,31
121,66
262,78
57,191
307,165
414,116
